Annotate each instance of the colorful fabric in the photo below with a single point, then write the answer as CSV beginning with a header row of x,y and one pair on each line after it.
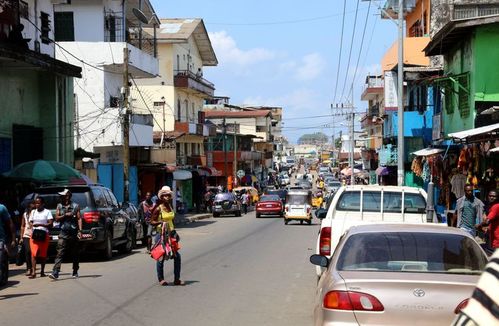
x,y
493,218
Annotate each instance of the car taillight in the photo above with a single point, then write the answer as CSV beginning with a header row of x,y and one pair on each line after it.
x,y
348,300
325,241
286,207
91,217
461,306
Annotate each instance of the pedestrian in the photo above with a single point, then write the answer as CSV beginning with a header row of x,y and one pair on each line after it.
x,y
245,200
68,215
469,211
26,231
207,200
7,230
492,220
162,219
145,212
40,220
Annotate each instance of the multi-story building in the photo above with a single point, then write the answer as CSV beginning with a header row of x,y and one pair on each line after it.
x,y
177,95
36,90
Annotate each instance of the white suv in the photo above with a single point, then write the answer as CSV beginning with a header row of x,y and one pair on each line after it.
x,y
363,204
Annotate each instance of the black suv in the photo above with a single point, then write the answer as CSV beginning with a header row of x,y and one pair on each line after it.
x,y
106,226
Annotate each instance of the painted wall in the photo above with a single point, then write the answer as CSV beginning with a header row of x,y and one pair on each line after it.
x,y
88,17
33,24
422,7
457,61
486,70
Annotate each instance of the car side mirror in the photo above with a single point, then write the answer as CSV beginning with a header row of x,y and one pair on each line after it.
x,y
321,213
319,260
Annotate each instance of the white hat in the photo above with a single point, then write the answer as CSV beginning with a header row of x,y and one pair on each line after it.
x,y
164,191
65,192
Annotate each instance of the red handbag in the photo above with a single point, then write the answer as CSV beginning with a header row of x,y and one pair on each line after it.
x,y
161,249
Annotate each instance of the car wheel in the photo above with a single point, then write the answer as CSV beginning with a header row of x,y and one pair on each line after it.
x,y
107,252
309,222
301,222
286,222
238,213
216,214
134,239
127,246
258,215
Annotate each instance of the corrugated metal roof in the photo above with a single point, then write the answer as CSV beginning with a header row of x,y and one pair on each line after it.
x,y
173,30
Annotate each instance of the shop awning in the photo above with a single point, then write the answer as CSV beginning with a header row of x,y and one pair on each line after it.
x,y
182,175
428,151
212,171
477,134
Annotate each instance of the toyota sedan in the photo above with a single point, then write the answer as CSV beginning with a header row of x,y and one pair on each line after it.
x,y
397,274
269,205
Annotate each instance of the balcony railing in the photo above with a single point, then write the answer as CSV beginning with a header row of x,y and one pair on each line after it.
x,y
474,11
190,80
134,35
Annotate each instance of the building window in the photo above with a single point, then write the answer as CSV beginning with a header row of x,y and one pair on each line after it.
x,y
44,18
64,26
463,96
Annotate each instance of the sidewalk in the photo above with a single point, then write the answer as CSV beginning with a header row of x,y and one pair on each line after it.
x,y
182,219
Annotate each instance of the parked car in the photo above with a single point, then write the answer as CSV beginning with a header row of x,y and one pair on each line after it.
x,y
139,226
397,274
359,204
226,203
269,205
106,225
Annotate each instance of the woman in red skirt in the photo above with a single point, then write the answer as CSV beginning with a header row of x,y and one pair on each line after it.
x,y
40,220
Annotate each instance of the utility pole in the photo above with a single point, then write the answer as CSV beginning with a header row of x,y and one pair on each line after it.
x,y
126,128
224,140
235,156
400,79
352,146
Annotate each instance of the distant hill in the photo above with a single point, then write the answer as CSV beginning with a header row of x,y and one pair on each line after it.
x,y
313,139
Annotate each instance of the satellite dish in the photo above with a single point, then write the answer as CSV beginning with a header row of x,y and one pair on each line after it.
x,y
140,15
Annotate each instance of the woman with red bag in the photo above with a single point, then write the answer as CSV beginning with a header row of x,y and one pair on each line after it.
x,y
162,218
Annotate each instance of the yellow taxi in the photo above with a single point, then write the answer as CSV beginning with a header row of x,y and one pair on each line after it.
x,y
253,193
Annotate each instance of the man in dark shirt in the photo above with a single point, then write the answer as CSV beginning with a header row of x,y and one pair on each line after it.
x,y
68,215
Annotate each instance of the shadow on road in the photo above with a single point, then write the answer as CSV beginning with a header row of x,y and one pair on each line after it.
x,y
11,296
63,278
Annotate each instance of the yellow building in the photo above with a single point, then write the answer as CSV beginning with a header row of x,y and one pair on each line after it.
x,y
176,96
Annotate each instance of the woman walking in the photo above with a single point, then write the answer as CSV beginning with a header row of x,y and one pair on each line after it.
x,y
26,231
40,220
162,220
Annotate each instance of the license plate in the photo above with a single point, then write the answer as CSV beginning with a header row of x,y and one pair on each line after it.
x,y
268,205
218,206
55,237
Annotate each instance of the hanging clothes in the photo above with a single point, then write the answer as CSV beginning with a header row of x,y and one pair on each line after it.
x,y
458,182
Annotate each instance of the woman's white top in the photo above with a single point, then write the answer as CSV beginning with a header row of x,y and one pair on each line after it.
x,y
42,217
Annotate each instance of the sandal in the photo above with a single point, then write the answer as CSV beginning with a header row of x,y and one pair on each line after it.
x,y
179,282
163,283
32,276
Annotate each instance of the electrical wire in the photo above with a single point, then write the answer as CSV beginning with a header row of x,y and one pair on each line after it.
x,y
350,51
360,51
341,49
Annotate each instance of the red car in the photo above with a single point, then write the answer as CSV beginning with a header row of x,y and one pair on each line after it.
x,y
269,205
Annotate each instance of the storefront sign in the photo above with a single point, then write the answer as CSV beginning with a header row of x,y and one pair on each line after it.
x,y
391,96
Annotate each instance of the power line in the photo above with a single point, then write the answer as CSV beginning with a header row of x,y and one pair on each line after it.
x,y
341,49
360,51
351,47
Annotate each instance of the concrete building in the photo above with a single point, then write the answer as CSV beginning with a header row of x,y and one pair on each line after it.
x,y
177,95
95,35
37,105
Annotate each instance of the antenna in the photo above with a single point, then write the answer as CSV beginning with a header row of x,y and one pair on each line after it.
x,y
140,15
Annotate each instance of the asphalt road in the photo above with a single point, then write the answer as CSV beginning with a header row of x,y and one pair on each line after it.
x,y
238,271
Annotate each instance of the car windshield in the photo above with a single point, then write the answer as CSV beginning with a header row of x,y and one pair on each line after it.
x,y
297,199
51,200
411,252
280,193
334,184
270,198
224,196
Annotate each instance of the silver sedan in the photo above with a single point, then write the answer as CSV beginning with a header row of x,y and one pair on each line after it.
x,y
397,274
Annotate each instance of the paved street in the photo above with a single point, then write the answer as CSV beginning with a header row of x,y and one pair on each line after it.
x,y
239,271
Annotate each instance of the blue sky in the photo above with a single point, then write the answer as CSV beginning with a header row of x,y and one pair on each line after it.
x,y
285,53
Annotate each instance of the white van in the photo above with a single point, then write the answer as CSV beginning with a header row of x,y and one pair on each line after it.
x,y
364,204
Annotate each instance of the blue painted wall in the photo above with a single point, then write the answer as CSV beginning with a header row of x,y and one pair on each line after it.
x,y
111,176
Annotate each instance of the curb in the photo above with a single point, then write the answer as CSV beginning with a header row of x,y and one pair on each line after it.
x,y
192,218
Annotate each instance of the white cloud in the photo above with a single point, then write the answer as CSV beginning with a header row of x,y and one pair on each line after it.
x,y
228,52
311,67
